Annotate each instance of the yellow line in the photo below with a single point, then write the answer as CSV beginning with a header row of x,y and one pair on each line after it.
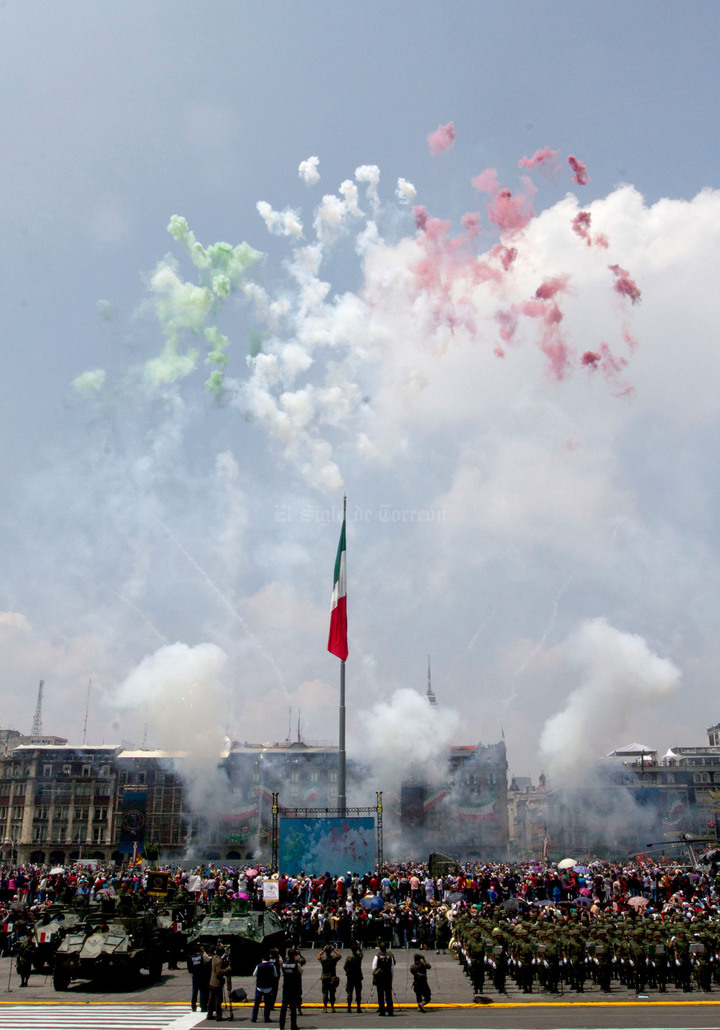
x,y
401,1005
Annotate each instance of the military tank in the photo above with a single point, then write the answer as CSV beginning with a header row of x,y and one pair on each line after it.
x,y
117,950
247,935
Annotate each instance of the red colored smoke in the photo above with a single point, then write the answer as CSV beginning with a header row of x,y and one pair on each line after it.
x,y
580,175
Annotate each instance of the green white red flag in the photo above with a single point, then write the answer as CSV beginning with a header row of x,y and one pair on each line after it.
x,y
337,640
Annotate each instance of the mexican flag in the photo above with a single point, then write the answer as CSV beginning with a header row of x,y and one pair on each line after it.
x,y
337,640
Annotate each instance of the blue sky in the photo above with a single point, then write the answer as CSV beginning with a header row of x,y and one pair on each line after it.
x,y
554,545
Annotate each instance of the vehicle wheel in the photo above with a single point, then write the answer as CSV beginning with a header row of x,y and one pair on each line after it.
x,y
61,979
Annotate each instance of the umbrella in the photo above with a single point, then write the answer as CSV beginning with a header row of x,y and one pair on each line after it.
x,y
251,872
585,892
57,869
567,863
373,902
583,870
638,902
583,901
514,905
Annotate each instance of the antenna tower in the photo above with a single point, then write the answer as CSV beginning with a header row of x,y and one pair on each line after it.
x,y
37,721
430,695
87,707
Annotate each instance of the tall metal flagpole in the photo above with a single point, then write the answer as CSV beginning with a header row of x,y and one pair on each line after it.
x,y
341,797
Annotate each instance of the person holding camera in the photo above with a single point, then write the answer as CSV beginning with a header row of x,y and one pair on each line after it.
x,y
329,980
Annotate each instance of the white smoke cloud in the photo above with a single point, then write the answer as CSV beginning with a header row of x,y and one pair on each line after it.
x,y
179,701
308,171
400,732
621,681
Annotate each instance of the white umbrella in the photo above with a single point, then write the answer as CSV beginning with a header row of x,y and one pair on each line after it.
x,y
57,869
567,863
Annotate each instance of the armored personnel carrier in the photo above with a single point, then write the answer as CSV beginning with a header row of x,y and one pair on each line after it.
x,y
116,950
55,923
245,934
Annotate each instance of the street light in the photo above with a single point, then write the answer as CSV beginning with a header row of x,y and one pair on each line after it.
x,y
8,843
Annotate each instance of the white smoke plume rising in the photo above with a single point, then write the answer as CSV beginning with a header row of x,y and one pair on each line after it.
x,y
621,680
397,733
179,694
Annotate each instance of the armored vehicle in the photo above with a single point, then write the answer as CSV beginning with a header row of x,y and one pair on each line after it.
x,y
247,935
55,923
117,950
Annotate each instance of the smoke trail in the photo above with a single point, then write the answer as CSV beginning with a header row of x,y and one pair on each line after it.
x,y
620,679
225,602
315,352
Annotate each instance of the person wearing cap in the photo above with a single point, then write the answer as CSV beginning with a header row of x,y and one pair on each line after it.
x,y
382,970
291,989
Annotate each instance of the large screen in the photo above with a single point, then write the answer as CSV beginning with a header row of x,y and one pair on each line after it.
x,y
327,845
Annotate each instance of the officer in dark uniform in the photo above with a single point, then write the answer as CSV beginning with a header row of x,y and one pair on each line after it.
x,y
291,988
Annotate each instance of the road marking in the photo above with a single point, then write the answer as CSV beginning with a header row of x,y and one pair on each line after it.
x,y
97,1017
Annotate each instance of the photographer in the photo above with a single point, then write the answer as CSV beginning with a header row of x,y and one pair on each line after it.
x,y
328,959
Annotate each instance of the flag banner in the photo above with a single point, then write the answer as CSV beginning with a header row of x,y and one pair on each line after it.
x,y
337,640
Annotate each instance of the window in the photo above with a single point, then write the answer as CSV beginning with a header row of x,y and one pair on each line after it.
x,y
86,771
17,812
67,769
100,815
19,790
47,770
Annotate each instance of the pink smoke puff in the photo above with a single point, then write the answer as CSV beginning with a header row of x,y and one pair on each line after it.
x,y
509,212
581,226
471,223
580,175
629,338
506,255
556,351
546,158
624,285
548,289
486,182
507,320
610,366
420,213
442,139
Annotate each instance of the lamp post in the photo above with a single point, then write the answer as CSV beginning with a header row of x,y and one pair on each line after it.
x,y
9,843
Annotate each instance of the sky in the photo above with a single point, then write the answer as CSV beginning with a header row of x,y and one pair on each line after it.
x,y
454,261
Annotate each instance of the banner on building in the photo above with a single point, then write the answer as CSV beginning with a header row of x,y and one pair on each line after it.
x,y
331,844
132,821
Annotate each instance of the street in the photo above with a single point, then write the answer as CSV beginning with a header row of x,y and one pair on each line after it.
x,y
165,1005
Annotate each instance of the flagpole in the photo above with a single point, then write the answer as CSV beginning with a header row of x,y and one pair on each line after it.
x,y
342,799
